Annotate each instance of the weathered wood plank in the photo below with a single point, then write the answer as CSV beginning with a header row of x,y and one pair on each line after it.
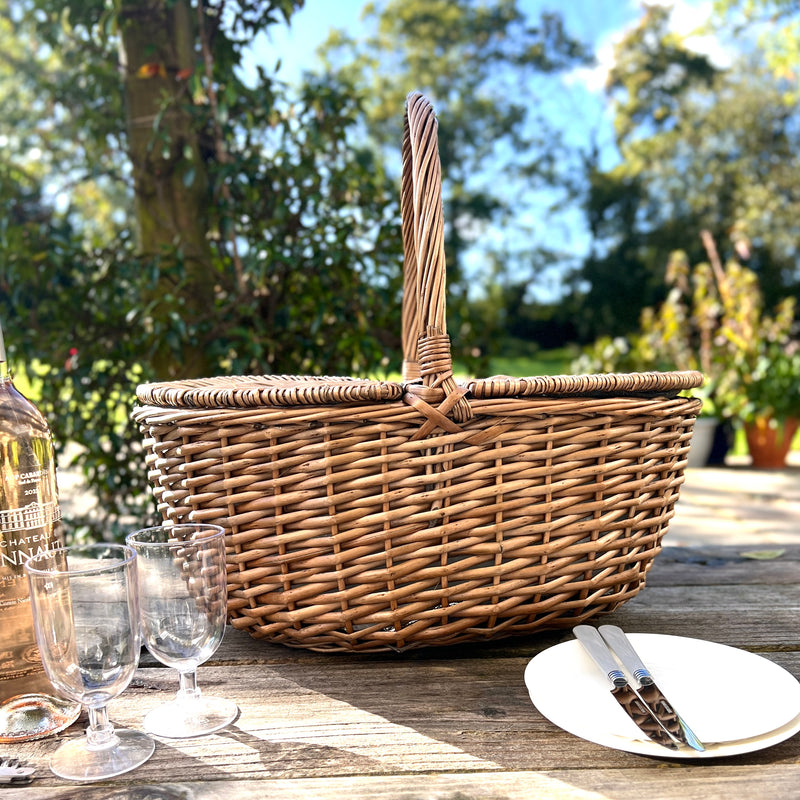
x,y
448,722
372,718
680,566
698,783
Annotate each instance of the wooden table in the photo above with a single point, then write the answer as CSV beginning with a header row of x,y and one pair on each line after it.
x,y
452,722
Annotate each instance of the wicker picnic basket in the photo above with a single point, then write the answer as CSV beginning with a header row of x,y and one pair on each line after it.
x,y
367,515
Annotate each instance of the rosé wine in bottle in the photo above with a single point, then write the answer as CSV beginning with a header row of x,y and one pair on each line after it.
x,y
30,521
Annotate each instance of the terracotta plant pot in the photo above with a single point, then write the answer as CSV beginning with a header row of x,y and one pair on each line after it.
x,y
769,445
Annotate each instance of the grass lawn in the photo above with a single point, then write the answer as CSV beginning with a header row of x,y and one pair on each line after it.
x,y
544,362
521,362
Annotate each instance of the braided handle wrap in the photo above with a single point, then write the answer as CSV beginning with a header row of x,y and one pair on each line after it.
x,y
425,339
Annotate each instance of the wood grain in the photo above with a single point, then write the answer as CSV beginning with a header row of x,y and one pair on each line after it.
x,y
449,722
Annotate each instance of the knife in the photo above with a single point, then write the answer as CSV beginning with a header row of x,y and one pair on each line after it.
x,y
664,711
621,690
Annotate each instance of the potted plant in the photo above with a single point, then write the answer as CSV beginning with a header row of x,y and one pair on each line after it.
x,y
773,396
763,391
679,334
713,320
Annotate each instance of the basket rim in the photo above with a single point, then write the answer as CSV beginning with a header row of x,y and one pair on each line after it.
x,y
243,391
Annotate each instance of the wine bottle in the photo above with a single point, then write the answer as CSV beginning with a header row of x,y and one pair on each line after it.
x,y
30,521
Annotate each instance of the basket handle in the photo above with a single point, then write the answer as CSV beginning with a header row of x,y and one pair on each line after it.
x,y
426,345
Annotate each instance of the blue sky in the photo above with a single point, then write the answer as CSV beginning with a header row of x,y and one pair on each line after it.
x,y
577,99
588,19
598,22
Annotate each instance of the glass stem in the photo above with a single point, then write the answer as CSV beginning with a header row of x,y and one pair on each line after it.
x,y
189,691
100,733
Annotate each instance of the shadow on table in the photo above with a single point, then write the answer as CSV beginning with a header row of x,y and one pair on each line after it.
x,y
478,709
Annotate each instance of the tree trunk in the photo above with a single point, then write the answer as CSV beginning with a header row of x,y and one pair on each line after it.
x,y
169,171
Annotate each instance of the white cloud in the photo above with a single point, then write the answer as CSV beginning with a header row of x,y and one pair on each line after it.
x,y
594,78
688,18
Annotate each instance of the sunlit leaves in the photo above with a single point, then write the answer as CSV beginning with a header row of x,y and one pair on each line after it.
x,y
702,148
482,65
312,218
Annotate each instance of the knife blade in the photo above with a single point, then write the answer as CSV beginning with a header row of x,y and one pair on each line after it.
x,y
648,690
621,690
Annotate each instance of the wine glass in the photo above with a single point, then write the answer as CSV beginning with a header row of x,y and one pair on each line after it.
x,y
183,607
85,615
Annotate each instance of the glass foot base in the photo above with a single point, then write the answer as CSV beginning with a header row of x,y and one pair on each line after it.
x,y
75,761
184,719
34,716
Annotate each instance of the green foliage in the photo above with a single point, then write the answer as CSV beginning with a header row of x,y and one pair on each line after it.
x,y
713,320
483,65
520,358
761,378
653,72
702,149
771,387
300,270
778,22
163,218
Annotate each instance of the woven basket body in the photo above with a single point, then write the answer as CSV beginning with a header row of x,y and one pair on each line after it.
x,y
369,515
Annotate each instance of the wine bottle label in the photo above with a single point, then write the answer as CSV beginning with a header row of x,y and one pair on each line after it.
x,y
20,661
35,515
24,532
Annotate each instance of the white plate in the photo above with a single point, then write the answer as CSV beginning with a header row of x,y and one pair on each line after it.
x,y
735,701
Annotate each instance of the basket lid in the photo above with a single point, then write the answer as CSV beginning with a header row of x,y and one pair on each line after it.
x,y
254,391
613,383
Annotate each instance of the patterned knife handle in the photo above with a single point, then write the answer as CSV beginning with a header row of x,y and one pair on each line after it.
x,y
667,714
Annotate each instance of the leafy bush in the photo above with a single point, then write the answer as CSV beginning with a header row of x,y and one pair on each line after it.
x,y
713,320
299,267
